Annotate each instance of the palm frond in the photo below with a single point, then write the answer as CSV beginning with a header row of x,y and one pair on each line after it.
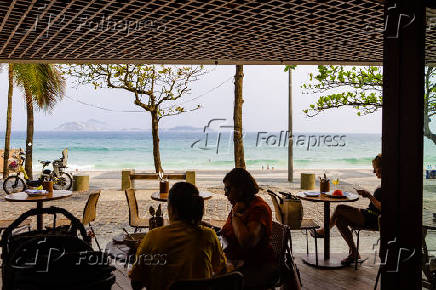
x,y
43,81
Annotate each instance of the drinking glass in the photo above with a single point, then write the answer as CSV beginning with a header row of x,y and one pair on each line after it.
x,y
335,182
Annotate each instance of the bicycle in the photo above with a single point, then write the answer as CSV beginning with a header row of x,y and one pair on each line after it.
x,y
61,179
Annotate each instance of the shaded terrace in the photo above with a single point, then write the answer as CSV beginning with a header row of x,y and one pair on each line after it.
x,y
236,32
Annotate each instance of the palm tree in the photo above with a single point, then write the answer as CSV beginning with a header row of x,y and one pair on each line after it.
x,y
43,86
8,121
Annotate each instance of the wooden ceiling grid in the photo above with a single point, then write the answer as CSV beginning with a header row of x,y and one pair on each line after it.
x,y
194,31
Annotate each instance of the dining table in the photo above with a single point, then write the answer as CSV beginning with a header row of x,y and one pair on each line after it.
x,y
328,261
39,200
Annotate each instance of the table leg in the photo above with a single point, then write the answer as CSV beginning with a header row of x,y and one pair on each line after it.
x,y
39,216
327,262
326,230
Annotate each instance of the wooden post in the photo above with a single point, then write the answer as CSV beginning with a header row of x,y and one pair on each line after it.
x,y
402,144
290,138
126,183
307,181
80,182
238,143
190,177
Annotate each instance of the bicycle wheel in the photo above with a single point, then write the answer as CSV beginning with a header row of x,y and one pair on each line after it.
x,y
13,184
63,182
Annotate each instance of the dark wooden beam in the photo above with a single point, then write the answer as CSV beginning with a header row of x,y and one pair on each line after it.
x,y
402,144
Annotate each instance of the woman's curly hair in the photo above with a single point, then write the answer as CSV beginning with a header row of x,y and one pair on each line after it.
x,y
242,180
377,161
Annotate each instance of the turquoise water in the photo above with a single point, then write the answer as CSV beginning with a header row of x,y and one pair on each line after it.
x,y
117,150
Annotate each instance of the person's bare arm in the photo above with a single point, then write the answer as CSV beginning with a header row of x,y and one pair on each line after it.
x,y
371,198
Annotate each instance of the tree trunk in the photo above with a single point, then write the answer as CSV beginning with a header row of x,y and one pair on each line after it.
x,y
8,122
155,134
29,133
427,119
427,130
237,118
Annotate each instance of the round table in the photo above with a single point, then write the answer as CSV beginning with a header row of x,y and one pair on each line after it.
x,y
327,261
40,199
206,195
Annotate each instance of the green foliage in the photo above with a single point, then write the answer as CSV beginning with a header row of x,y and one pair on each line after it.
x,y
361,89
358,87
288,67
43,81
151,85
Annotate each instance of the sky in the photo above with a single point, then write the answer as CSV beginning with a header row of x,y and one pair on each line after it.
x,y
265,108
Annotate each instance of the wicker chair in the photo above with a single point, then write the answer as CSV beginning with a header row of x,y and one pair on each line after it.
x,y
229,281
89,215
306,225
134,220
73,264
281,242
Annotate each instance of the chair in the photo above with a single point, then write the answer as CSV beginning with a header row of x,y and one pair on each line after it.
x,y
89,215
229,281
134,220
72,265
4,224
281,242
306,225
356,230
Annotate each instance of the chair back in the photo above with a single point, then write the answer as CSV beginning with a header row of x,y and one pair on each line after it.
x,y
281,243
73,264
280,236
229,281
133,207
90,210
277,208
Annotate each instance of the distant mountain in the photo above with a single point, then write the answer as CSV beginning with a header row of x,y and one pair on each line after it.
x,y
90,125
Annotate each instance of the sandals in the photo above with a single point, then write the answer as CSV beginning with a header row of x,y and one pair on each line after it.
x,y
314,234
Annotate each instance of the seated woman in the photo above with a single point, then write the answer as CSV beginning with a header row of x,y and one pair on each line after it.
x,y
181,250
346,216
248,230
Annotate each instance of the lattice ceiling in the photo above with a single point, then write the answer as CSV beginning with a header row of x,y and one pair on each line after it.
x,y
192,31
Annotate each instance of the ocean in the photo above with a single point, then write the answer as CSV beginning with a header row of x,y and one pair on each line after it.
x,y
104,150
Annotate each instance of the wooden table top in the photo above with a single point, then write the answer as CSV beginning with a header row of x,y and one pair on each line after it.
x,y
23,197
156,196
325,198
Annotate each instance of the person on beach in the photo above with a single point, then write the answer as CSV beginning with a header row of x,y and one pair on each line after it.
x,y
182,250
248,230
346,216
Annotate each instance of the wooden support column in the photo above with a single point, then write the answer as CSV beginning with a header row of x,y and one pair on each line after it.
x,y
238,141
290,134
402,144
